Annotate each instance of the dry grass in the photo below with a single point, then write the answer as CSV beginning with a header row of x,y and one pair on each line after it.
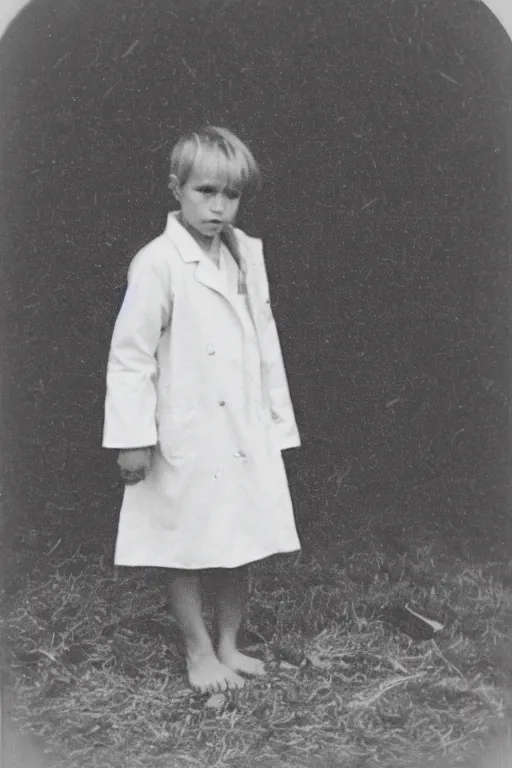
x,y
94,666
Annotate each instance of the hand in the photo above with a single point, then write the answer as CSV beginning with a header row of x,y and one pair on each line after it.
x,y
134,464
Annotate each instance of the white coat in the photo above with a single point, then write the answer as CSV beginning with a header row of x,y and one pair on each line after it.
x,y
181,377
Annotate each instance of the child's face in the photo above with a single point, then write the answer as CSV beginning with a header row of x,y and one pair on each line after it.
x,y
207,205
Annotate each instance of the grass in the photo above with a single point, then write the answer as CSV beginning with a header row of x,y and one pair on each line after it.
x,y
93,665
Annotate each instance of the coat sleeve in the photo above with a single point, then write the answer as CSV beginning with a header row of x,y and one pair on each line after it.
x,y
130,402
275,372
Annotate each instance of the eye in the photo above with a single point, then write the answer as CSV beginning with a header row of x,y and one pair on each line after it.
x,y
206,190
232,194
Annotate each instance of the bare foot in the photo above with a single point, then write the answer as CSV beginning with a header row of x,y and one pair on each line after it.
x,y
207,674
239,662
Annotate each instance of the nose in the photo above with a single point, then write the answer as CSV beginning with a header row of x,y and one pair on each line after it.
x,y
218,204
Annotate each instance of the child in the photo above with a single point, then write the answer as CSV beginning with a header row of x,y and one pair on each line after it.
x,y
198,404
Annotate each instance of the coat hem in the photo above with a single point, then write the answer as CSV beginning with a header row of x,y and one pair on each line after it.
x,y
197,567
285,445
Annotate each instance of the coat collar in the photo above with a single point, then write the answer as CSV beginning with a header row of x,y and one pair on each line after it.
x,y
206,272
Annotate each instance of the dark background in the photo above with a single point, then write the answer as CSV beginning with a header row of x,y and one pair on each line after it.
x,y
382,130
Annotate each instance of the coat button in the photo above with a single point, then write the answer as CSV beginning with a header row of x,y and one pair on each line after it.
x,y
210,349
222,402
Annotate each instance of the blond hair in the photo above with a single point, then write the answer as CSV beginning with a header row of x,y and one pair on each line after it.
x,y
217,151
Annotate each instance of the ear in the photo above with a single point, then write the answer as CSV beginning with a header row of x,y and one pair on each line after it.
x,y
174,186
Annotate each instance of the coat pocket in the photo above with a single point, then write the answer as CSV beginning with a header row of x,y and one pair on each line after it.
x,y
178,432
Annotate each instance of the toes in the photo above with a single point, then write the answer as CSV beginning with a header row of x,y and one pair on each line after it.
x,y
245,665
234,680
216,679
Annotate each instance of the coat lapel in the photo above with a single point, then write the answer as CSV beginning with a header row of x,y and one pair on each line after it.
x,y
231,241
206,272
246,284
210,275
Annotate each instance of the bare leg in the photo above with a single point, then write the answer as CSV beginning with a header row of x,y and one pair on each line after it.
x,y
205,671
231,597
